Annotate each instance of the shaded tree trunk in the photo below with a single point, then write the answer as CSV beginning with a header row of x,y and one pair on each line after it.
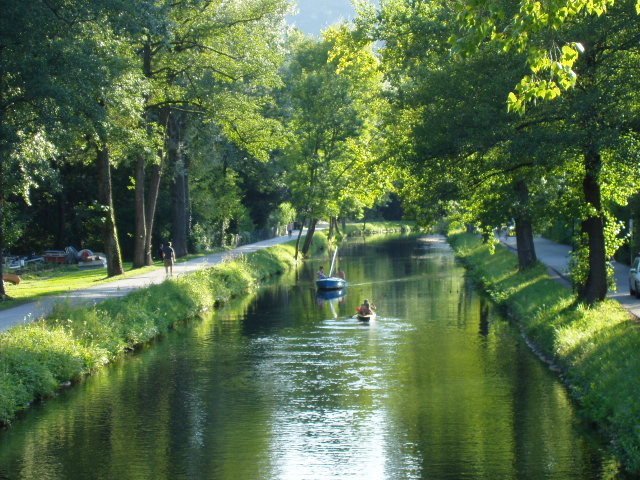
x,y
309,237
332,230
180,188
3,292
595,287
299,236
139,243
150,208
524,228
337,226
105,198
151,200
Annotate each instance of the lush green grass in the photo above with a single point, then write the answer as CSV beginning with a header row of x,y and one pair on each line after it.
x,y
598,349
62,279
36,358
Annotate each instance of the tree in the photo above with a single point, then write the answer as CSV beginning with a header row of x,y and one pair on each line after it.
x,y
194,54
331,105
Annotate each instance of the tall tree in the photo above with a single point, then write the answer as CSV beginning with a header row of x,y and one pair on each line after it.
x,y
194,58
329,97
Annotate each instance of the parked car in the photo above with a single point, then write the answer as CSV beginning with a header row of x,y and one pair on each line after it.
x,y
634,277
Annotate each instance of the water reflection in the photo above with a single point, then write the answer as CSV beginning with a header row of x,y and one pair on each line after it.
x,y
283,387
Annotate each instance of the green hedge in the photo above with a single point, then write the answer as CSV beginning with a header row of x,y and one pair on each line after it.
x,y
597,349
38,357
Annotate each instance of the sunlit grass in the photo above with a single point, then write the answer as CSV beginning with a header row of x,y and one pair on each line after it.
x,y
61,280
598,348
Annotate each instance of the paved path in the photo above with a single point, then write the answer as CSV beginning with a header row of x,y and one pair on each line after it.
x,y
556,256
119,288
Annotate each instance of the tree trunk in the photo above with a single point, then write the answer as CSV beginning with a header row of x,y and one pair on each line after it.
x,y
180,187
139,251
595,287
3,190
180,208
298,239
151,204
154,190
105,198
309,237
331,229
524,228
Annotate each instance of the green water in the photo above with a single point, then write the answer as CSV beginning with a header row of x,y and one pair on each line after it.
x,y
286,385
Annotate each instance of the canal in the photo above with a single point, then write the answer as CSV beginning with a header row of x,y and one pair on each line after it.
x,y
287,385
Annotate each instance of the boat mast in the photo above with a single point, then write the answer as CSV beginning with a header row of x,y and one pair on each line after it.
x,y
333,262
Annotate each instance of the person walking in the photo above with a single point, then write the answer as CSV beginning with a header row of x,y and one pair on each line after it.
x,y
169,256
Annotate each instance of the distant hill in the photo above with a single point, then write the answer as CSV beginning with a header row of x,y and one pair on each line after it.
x,y
316,15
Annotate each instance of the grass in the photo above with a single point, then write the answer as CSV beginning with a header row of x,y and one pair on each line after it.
x,y
597,348
38,357
62,279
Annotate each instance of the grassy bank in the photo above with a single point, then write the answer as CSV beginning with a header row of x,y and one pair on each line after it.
x,y
36,359
596,349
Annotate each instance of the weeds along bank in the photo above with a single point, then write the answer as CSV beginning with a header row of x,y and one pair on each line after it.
x,y
597,349
39,357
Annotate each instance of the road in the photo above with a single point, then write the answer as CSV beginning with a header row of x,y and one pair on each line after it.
x,y
556,257
119,288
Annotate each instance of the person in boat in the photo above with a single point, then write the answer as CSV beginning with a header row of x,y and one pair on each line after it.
x,y
321,273
341,273
366,308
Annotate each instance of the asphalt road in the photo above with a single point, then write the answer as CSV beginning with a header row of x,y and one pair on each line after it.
x,y
556,257
119,288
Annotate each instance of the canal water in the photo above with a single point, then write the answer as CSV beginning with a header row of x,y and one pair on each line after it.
x,y
287,385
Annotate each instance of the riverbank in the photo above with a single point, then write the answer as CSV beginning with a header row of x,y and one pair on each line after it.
x,y
39,357
595,350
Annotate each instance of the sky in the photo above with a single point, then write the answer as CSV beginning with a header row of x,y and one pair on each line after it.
x,y
316,15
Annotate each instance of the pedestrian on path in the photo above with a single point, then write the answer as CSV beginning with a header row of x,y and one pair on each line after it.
x,y
169,255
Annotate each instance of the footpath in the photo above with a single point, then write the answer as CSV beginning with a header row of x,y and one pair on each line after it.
x,y
119,288
556,256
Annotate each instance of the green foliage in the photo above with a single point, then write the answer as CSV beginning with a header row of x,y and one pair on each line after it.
x,y
520,27
332,105
282,216
596,348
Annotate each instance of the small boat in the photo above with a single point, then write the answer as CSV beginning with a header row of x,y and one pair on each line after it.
x,y
366,318
331,282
